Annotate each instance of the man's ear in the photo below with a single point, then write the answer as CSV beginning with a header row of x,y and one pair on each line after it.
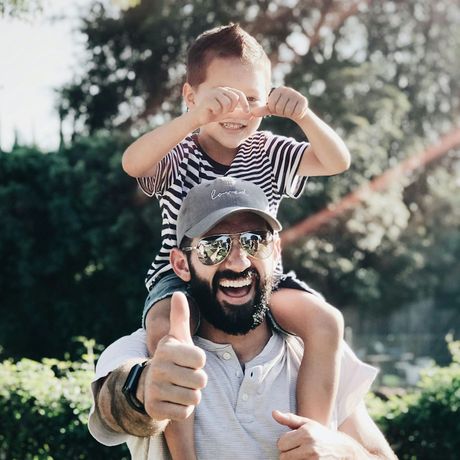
x,y
179,264
188,93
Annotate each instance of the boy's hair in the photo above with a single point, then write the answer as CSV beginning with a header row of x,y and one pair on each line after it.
x,y
229,41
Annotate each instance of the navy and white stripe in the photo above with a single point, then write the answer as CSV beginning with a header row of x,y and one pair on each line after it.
x,y
265,159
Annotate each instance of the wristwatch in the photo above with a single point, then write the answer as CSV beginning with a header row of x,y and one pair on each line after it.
x,y
130,387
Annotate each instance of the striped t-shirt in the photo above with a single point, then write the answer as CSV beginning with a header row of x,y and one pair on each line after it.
x,y
268,160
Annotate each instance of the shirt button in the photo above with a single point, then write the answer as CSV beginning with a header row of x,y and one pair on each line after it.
x,y
226,356
245,397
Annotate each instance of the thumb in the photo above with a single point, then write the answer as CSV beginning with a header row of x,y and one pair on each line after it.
x,y
288,419
261,111
179,318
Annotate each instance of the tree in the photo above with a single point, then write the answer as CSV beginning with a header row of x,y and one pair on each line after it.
x,y
20,8
74,238
135,57
384,74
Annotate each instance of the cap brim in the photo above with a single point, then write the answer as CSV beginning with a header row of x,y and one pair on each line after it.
x,y
215,217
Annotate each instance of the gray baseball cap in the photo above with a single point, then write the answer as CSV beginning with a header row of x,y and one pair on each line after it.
x,y
212,201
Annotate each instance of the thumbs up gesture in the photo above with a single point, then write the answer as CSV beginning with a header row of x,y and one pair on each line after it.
x,y
175,376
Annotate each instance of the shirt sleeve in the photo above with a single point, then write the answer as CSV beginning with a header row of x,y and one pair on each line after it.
x,y
124,349
285,154
356,378
165,173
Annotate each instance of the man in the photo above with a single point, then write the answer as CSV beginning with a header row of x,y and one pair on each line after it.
x,y
238,372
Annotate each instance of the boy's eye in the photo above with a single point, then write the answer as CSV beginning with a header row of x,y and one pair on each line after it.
x,y
251,99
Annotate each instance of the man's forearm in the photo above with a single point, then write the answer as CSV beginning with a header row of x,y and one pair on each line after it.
x,y
115,411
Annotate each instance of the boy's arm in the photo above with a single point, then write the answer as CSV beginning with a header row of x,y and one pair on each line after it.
x,y
142,156
327,154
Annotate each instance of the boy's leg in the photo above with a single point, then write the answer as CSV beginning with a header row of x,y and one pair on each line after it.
x,y
157,323
157,308
320,326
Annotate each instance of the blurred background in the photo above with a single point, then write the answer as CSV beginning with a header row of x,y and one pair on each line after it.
x,y
79,80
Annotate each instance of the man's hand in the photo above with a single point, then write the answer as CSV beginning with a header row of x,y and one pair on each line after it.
x,y
221,103
175,377
309,439
283,102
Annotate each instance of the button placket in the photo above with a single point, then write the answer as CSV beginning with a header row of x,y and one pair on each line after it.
x,y
248,394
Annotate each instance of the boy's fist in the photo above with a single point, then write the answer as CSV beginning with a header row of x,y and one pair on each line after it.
x,y
283,102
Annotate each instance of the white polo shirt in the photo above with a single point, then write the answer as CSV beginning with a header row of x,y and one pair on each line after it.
x,y
234,419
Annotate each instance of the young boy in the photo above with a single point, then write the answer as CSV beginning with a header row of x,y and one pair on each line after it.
x,y
227,93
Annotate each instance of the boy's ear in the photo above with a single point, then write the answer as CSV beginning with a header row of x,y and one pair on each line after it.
x,y
179,264
188,93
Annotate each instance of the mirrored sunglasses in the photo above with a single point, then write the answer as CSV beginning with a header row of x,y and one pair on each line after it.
x,y
214,249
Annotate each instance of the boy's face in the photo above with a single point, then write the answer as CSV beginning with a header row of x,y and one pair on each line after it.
x,y
253,80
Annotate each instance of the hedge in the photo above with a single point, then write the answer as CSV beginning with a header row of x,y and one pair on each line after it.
x,y
44,410
424,424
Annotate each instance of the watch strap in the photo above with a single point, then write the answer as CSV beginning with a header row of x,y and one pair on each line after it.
x,y
130,387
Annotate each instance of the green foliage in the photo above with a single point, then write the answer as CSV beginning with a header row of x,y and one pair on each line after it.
x,y
398,247
75,242
386,77
44,410
424,424
23,9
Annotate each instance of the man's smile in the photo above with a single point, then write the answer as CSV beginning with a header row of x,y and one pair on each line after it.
x,y
239,289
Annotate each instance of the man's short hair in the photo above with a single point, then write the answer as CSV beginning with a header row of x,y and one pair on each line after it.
x,y
229,41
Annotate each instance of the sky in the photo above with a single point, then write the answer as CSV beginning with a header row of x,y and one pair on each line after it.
x,y
37,56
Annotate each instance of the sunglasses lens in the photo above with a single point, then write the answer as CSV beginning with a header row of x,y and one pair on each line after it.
x,y
212,251
259,245
215,249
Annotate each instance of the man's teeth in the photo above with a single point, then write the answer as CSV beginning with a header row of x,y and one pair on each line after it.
x,y
232,125
235,283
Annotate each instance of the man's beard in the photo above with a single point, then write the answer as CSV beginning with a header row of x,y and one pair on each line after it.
x,y
231,319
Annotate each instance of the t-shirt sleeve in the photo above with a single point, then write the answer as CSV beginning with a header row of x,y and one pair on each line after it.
x,y
124,349
356,378
164,174
285,154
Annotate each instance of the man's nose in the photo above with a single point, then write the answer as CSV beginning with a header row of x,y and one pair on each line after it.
x,y
238,259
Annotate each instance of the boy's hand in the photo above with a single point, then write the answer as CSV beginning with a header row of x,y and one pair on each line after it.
x,y
218,103
283,102
175,376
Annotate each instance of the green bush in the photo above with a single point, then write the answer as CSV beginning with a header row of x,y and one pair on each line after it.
x,y
425,423
44,411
